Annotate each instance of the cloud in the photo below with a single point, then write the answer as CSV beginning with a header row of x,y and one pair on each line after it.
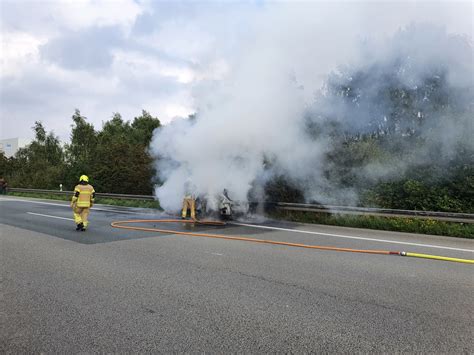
x,y
90,49
61,55
105,56
90,13
18,49
53,17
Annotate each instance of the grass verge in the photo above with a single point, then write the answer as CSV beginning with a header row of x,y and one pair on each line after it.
x,y
100,200
397,224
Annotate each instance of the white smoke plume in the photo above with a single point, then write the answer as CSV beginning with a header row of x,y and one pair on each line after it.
x,y
252,123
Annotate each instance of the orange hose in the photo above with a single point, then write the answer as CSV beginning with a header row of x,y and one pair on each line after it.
x,y
119,224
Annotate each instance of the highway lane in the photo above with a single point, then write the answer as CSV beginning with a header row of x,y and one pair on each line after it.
x,y
108,290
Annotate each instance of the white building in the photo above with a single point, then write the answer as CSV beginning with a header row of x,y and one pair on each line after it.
x,y
10,146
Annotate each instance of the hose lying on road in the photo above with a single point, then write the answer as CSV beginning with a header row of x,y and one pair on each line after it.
x,y
122,225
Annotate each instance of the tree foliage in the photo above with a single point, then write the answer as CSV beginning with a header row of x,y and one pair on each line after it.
x,y
398,144
116,158
41,164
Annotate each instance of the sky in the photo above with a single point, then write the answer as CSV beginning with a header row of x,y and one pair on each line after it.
x,y
125,56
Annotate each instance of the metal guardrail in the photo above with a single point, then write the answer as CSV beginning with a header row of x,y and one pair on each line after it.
x,y
304,207
385,212
98,194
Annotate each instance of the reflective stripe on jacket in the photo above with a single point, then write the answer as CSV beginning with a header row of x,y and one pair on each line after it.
x,y
84,195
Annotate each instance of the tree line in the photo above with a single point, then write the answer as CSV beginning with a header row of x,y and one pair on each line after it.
x,y
397,147
116,158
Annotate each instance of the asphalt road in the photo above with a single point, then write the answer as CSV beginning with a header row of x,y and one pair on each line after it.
x,y
111,290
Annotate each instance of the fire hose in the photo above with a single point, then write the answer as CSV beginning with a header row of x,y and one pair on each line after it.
x,y
126,225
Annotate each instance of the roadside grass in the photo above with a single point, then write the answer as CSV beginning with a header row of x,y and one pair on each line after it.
x,y
397,224
99,200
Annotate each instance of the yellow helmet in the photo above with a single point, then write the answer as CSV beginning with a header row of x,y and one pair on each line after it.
x,y
84,178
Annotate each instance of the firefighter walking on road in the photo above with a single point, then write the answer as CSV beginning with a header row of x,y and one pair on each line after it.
x,y
82,201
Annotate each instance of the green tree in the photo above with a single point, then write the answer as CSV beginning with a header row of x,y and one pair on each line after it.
x,y
143,127
7,166
123,163
81,151
41,164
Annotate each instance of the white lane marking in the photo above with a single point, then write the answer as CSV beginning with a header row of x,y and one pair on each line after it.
x,y
351,237
63,205
217,254
49,216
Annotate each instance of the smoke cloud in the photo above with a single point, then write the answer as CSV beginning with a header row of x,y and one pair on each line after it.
x,y
275,110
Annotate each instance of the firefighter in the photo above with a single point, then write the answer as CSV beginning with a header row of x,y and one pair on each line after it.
x,y
82,201
189,202
225,204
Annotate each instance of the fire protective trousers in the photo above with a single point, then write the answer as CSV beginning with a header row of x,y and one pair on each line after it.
x,y
191,204
80,215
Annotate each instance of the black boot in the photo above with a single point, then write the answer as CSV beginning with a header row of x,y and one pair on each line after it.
x,y
80,226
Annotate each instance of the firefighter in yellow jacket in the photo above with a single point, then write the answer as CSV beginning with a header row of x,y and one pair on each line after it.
x,y
82,201
189,201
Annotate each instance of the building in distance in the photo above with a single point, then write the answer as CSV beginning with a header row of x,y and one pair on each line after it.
x,y
9,147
